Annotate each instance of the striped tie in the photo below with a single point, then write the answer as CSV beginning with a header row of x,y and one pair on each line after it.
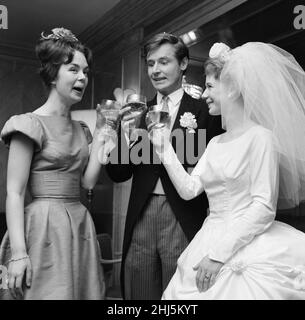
x,y
164,102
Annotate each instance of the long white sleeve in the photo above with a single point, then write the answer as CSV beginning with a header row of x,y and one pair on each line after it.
x,y
258,217
187,185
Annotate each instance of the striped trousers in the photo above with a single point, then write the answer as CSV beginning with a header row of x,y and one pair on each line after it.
x,y
156,245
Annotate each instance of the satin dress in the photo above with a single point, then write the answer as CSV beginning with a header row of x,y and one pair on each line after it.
x,y
263,259
59,232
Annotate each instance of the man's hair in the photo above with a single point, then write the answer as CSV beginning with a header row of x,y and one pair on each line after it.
x,y
181,50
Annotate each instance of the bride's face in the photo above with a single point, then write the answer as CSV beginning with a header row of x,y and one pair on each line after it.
x,y
212,94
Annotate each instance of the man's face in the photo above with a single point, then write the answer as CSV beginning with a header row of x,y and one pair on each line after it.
x,y
164,69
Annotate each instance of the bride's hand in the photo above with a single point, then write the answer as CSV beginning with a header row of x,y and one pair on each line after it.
x,y
159,137
207,270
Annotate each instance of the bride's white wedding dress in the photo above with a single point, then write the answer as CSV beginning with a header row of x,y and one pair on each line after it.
x,y
264,259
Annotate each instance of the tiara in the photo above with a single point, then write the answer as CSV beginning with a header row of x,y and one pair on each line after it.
x,y
220,51
60,34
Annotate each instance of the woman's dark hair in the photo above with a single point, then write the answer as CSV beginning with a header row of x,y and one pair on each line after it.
x,y
181,50
57,49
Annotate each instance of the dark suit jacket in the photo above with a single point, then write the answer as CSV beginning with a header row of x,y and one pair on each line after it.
x,y
190,214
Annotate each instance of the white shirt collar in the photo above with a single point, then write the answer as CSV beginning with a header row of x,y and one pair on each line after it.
x,y
174,98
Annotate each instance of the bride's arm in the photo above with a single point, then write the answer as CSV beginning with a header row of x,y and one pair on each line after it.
x,y
187,185
259,215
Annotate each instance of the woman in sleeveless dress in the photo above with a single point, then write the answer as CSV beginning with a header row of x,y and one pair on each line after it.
x,y
50,249
241,252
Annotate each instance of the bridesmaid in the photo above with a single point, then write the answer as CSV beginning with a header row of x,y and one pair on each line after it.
x,y
50,249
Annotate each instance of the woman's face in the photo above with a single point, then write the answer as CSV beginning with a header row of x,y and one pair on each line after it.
x,y
212,94
72,79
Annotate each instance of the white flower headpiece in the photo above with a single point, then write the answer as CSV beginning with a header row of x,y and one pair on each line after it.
x,y
60,33
220,51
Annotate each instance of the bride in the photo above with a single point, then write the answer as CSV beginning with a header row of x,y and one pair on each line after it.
x,y
257,166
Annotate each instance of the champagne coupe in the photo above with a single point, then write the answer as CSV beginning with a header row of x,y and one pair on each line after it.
x,y
109,110
157,117
137,105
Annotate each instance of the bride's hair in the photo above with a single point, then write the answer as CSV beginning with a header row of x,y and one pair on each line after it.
x,y
213,66
218,56
56,49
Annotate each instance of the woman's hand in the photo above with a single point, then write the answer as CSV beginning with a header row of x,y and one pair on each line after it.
x,y
106,135
16,271
160,137
208,269
108,143
100,119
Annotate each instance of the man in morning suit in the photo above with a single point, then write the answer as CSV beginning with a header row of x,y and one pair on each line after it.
x,y
159,224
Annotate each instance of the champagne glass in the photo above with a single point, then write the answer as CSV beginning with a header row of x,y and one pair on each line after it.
x,y
109,111
137,105
157,117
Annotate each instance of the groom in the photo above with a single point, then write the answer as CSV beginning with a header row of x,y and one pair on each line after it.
x,y
160,224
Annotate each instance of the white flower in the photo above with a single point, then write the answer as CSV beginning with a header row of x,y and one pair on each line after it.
x,y
188,120
238,267
220,50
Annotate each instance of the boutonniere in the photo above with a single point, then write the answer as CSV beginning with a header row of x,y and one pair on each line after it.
x,y
188,120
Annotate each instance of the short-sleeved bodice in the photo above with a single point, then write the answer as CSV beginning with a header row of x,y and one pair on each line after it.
x,y
60,153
